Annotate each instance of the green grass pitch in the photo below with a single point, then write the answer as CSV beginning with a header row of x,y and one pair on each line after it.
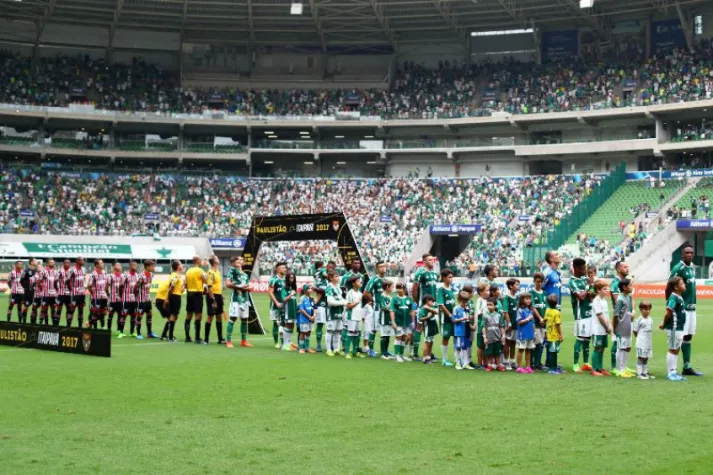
x,y
176,408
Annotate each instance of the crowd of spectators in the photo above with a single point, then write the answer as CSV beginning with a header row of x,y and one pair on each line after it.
x,y
388,216
449,90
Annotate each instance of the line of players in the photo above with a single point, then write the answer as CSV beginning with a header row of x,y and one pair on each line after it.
x,y
45,290
528,324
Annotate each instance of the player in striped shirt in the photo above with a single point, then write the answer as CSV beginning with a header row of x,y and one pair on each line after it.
x,y
128,296
143,300
75,283
113,292
64,298
17,291
36,285
97,293
50,288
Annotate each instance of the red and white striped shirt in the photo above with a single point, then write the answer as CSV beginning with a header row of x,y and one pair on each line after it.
x,y
144,285
36,284
50,279
98,281
128,283
63,276
14,280
114,280
75,279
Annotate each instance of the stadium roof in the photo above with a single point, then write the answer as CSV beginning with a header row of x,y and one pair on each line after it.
x,y
325,24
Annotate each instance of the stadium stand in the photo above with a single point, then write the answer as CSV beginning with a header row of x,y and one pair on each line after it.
x,y
449,91
113,204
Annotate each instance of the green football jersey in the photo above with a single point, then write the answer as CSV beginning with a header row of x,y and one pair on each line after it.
x,y
614,290
427,283
424,312
510,305
278,285
401,306
239,278
375,287
678,306
580,309
320,282
385,312
446,297
291,309
334,313
539,303
688,274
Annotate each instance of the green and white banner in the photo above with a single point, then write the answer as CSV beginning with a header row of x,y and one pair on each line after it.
x,y
161,251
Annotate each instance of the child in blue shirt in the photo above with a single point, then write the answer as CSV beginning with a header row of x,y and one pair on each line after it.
x,y
460,319
305,319
525,332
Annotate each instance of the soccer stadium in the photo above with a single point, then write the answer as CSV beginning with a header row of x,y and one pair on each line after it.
x,y
236,233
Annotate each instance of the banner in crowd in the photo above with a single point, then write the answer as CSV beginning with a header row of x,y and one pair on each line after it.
x,y
151,216
629,84
461,229
227,243
645,175
560,45
489,93
386,219
694,224
96,251
27,213
666,34
81,341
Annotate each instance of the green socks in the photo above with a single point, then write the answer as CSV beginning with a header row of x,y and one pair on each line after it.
x,y
372,339
384,344
243,329
585,351
231,324
275,331
614,348
686,351
320,328
345,340
598,360
577,349
355,344
416,342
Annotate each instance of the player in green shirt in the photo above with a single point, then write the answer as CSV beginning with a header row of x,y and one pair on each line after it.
x,y
622,272
446,301
582,312
402,317
289,311
239,282
674,324
374,288
354,271
510,306
539,306
386,329
686,271
336,304
425,282
428,318
320,286
277,293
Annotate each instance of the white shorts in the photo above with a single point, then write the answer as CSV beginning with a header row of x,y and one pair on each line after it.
x,y
334,325
275,314
525,344
402,331
583,328
240,310
305,327
674,339
353,326
623,342
320,315
644,353
369,324
510,335
387,330
690,327
539,336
